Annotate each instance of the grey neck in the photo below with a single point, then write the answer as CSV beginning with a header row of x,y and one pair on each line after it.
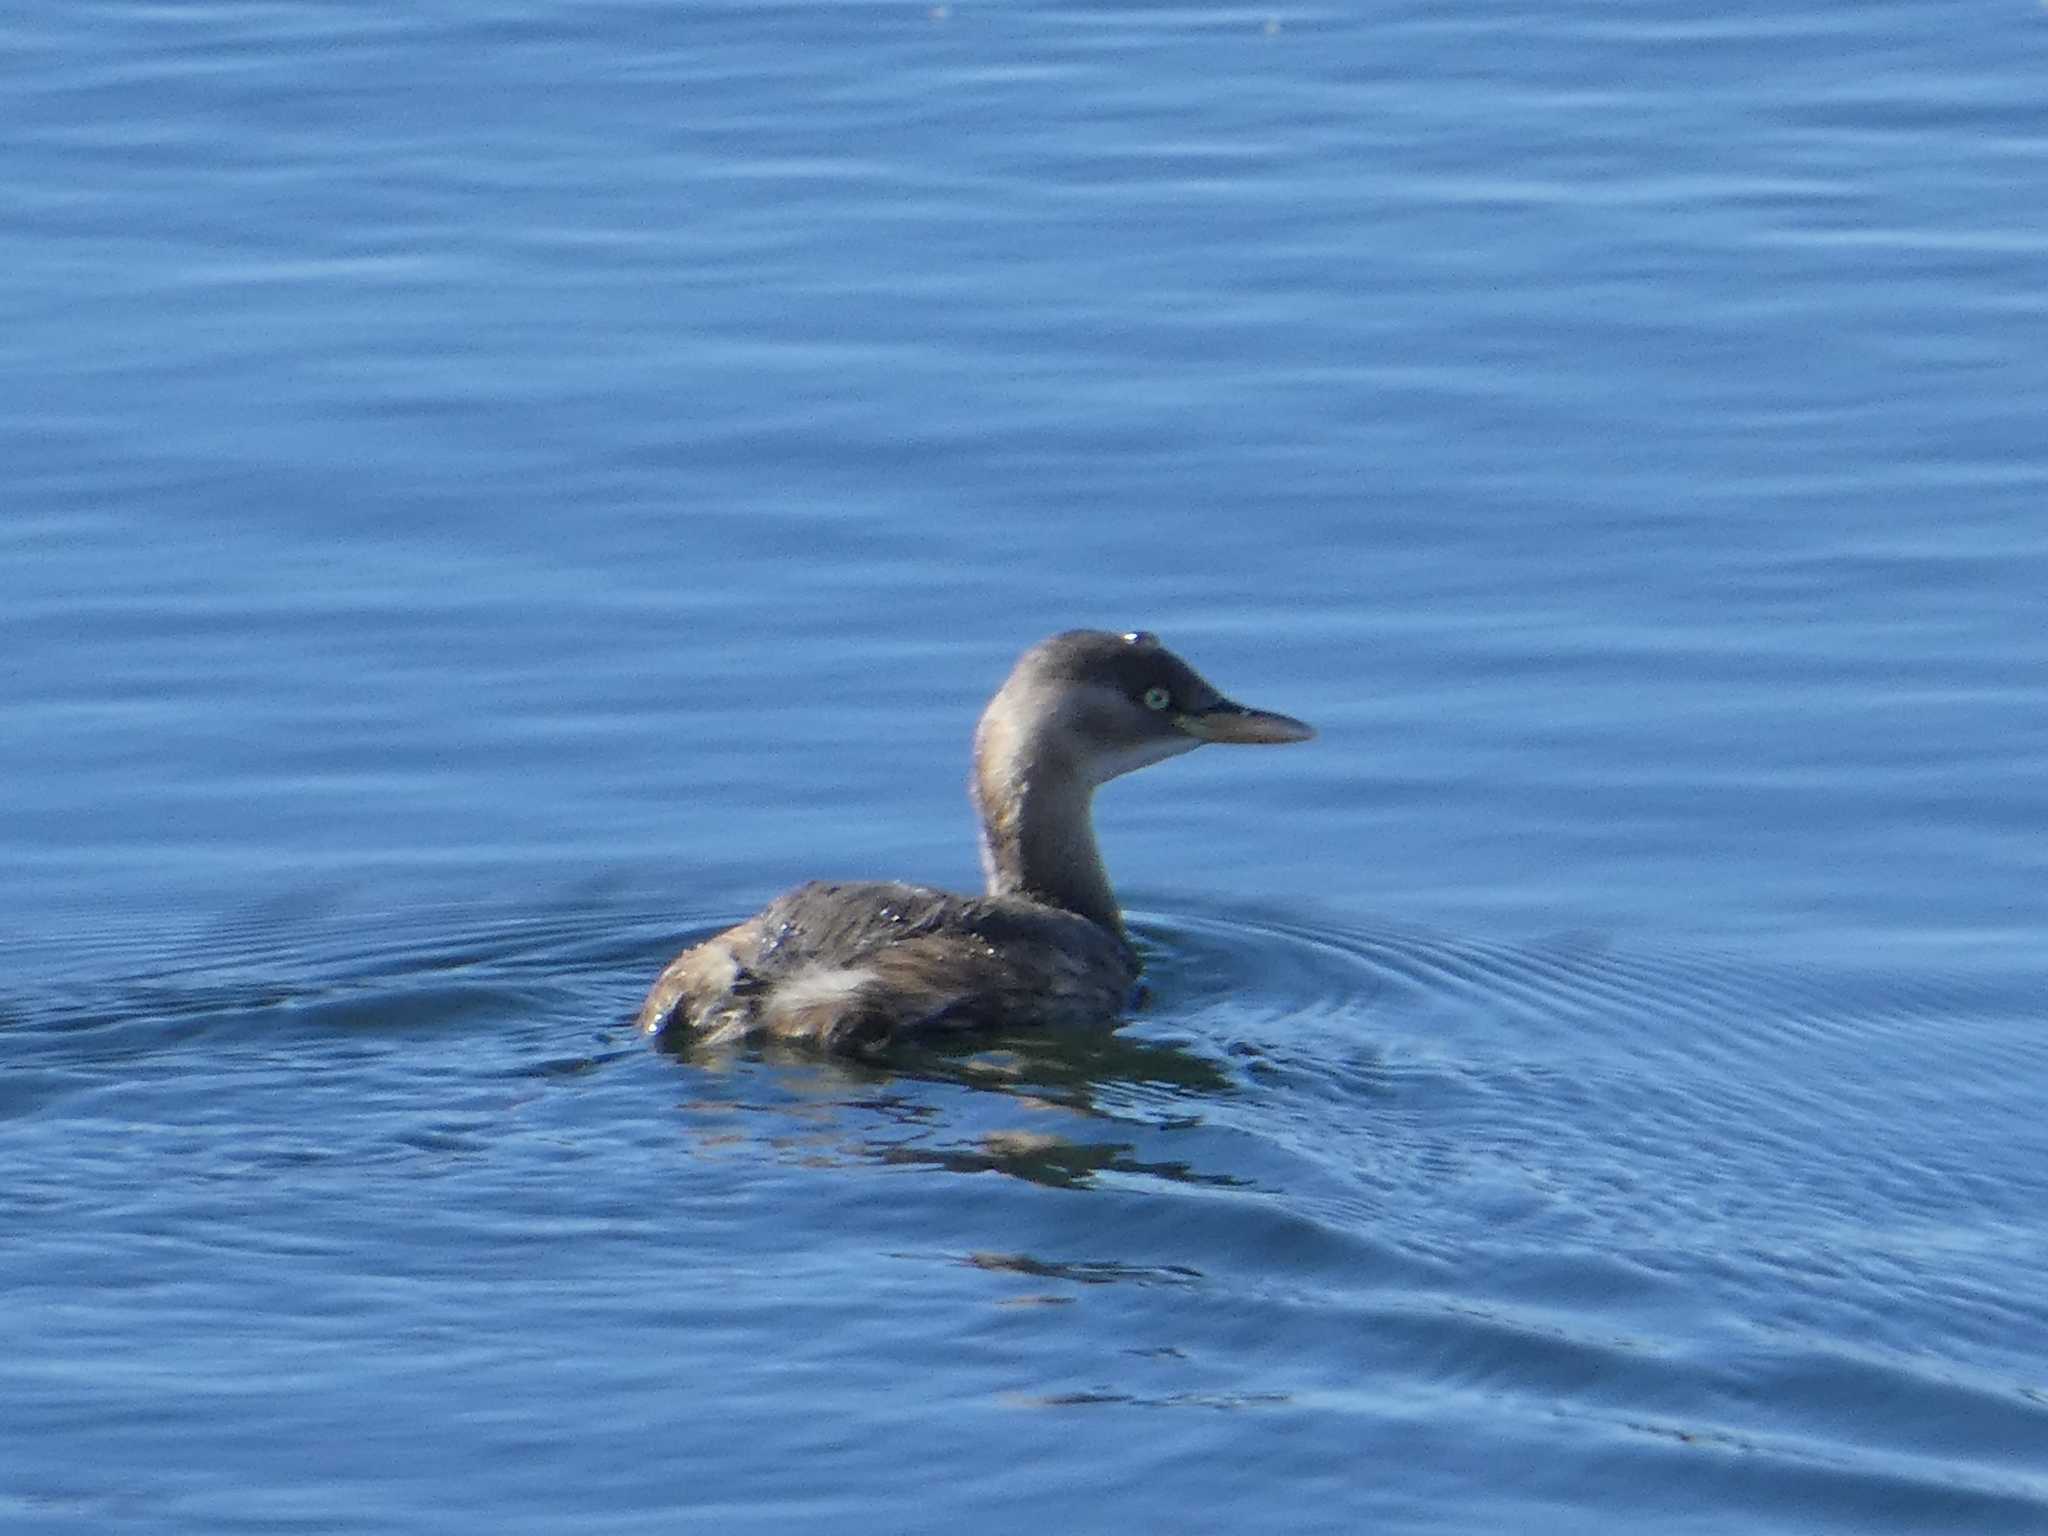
x,y
1038,827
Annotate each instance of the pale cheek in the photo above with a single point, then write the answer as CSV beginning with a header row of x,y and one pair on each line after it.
x,y
1143,754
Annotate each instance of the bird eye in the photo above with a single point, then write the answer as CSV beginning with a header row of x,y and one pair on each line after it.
x,y
1157,698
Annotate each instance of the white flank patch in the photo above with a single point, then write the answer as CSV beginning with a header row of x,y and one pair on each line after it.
x,y
821,986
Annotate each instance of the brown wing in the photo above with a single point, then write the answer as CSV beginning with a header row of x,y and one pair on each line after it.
x,y
858,965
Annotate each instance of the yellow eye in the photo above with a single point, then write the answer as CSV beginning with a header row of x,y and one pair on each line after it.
x,y
1157,698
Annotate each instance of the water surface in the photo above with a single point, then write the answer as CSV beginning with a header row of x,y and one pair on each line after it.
x,y
493,492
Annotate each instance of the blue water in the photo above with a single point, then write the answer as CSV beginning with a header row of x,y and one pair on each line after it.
x,y
489,491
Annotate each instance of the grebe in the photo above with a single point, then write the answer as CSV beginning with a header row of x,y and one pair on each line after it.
x,y
857,966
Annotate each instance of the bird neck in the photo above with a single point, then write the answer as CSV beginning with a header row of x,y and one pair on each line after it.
x,y
1038,825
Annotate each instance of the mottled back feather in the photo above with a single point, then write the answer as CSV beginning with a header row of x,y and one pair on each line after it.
x,y
856,965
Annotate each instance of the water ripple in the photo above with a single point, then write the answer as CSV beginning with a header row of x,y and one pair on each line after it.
x,y
1331,1168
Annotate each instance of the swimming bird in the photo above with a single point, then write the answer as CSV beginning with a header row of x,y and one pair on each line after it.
x,y
857,966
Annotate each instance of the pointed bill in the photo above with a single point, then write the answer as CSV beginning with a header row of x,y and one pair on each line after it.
x,y
1228,722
